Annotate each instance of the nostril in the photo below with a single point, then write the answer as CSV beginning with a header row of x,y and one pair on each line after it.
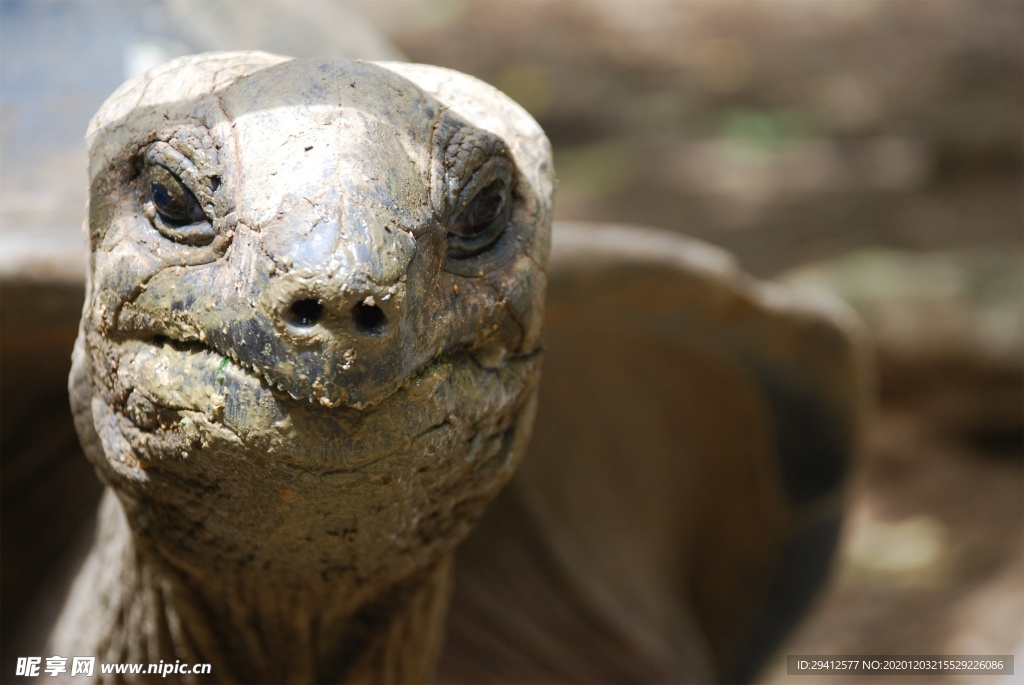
x,y
369,317
305,313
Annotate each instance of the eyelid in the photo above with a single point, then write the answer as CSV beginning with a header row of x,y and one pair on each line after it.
x,y
466,153
162,154
198,233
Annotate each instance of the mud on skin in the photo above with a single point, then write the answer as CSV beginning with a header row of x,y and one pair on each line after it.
x,y
311,345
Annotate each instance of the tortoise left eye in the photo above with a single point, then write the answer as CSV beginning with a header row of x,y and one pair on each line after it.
x,y
485,212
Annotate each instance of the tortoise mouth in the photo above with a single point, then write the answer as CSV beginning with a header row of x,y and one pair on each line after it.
x,y
228,363
231,369
171,398
208,371
336,377
173,374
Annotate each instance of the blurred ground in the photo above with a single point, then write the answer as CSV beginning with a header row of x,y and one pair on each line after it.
x,y
792,133
932,560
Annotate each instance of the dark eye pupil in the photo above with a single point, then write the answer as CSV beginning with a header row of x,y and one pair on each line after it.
x,y
174,202
491,207
160,195
483,218
487,206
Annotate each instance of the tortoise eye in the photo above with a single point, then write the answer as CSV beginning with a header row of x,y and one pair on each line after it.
x,y
485,212
481,222
485,209
175,203
173,209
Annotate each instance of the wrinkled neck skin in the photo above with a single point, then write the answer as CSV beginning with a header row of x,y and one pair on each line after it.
x,y
130,605
273,573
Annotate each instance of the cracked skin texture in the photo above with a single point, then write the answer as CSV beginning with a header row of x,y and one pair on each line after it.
x,y
287,483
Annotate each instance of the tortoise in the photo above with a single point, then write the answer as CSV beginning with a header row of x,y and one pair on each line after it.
x,y
309,360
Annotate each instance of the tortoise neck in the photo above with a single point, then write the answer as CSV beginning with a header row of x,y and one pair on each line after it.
x,y
249,629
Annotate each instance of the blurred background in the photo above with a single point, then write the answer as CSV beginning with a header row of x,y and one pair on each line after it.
x,y
874,149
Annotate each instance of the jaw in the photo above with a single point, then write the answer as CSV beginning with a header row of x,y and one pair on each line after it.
x,y
224,473
175,397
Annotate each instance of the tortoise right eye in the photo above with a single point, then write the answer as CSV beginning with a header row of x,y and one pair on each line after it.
x,y
173,209
175,203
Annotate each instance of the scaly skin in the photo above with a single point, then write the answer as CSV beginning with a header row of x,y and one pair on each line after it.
x,y
303,396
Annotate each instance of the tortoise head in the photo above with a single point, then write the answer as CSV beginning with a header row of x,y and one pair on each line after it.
x,y
311,340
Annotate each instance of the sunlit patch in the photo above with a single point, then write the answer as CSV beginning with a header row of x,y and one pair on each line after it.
x,y
909,546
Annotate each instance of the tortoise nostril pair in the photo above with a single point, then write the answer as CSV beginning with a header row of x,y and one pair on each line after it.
x,y
368,317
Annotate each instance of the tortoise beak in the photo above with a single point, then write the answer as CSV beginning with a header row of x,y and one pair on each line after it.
x,y
334,331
